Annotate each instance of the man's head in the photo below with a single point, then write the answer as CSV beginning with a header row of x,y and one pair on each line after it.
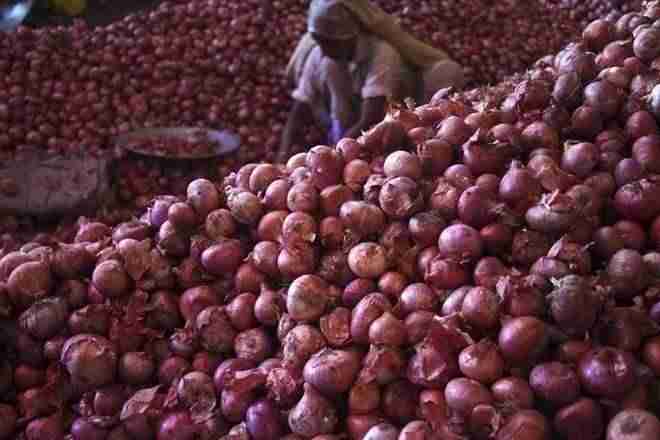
x,y
334,28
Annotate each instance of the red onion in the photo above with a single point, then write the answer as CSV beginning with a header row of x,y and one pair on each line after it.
x,y
525,424
214,329
90,360
522,340
313,415
607,372
367,260
482,362
583,419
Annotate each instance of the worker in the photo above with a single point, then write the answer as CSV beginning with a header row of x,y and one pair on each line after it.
x,y
353,59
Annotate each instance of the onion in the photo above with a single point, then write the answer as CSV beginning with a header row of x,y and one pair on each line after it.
x,y
586,122
431,368
306,299
177,425
220,224
325,165
435,156
303,197
367,260
332,371
460,242
633,424
111,279
383,431
523,339
92,232
598,34
627,273
580,158
604,97
555,383
245,207
224,257
527,425
482,362
607,372
332,197
646,152
44,319
72,261
640,125
416,430
627,171
90,360
582,419
263,422
387,330
513,392
203,196
554,214
275,196
463,395
645,44
477,208
574,306
262,176
356,173
253,344
638,200
454,131
50,428
172,242
182,216
481,308
364,398
364,218
313,415
446,273
399,401
214,329
29,282
444,199
399,197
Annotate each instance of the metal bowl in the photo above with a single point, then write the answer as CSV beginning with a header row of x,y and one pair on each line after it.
x,y
225,142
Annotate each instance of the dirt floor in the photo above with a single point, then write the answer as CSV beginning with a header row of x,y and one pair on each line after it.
x,y
98,13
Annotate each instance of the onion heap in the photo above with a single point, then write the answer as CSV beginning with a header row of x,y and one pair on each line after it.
x,y
585,11
216,63
486,266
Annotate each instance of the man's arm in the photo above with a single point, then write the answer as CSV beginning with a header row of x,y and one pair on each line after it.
x,y
299,116
373,111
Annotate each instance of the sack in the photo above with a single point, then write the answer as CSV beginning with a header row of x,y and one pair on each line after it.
x,y
70,7
43,185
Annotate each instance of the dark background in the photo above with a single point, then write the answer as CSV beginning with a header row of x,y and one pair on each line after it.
x,y
99,12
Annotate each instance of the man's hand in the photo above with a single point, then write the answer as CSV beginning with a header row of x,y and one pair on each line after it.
x,y
373,111
300,114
